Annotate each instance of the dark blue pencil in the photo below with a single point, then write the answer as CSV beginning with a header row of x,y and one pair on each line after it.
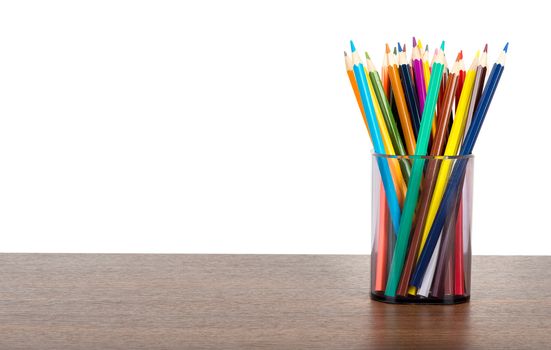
x,y
409,90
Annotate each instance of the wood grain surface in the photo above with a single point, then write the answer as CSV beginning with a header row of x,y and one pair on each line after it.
x,y
118,301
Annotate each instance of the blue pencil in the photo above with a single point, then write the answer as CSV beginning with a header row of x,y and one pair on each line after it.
x,y
409,90
388,184
456,178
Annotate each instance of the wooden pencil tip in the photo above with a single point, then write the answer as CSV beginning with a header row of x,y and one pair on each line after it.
x,y
414,42
459,56
394,51
367,55
345,54
352,46
486,48
427,47
404,47
399,47
477,54
387,48
442,45
506,47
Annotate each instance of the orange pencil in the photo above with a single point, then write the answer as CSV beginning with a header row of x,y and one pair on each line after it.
x,y
384,77
350,72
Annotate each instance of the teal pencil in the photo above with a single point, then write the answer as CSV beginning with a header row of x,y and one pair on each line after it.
x,y
412,194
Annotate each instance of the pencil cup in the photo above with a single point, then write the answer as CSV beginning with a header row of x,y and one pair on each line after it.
x,y
431,263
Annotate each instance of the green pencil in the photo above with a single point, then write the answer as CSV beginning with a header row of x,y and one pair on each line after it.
x,y
389,117
416,173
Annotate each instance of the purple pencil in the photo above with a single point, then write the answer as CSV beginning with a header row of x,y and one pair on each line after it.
x,y
417,65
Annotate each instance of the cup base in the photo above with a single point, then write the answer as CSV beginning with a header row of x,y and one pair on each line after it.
x,y
447,300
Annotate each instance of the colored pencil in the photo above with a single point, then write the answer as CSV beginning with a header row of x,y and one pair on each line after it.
x,y
396,172
388,116
455,183
417,65
460,82
398,92
361,78
478,85
407,84
415,179
484,104
457,90
458,270
426,76
424,289
382,243
429,180
384,77
350,72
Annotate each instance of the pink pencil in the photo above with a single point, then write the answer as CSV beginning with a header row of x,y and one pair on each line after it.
x,y
417,65
458,270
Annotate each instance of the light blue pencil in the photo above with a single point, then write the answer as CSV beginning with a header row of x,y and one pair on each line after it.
x,y
388,184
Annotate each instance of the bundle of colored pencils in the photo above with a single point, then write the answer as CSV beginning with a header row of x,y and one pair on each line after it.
x,y
411,105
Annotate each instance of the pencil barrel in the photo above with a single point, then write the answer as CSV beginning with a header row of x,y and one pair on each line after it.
x,y
441,275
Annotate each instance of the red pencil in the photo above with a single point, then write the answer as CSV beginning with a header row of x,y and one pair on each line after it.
x,y
382,243
460,80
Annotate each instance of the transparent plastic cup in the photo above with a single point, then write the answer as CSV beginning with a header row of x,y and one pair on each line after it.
x,y
437,266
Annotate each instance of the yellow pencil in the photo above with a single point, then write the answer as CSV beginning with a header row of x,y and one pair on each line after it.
x,y
452,147
426,67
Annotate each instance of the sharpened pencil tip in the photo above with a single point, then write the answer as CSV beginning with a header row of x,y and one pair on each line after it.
x,y
427,47
352,47
414,42
442,45
506,47
486,48
419,44
404,47
367,55
387,48
394,51
477,54
345,54
459,56
399,47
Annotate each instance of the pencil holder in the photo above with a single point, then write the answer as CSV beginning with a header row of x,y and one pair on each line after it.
x,y
428,261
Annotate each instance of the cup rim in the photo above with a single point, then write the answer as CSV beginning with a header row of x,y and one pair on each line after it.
x,y
428,157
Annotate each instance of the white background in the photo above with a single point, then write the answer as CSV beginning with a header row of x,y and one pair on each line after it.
x,y
230,126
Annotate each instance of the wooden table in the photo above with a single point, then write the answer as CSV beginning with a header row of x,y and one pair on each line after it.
x,y
104,301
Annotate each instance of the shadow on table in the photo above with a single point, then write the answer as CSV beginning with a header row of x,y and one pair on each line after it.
x,y
417,326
